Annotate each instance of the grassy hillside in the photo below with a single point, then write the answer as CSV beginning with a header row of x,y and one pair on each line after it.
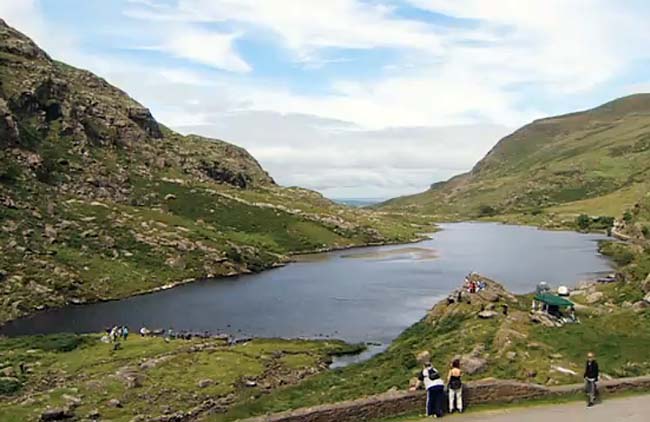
x,y
98,200
147,377
593,162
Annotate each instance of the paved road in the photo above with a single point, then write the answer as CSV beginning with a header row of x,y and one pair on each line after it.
x,y
629,409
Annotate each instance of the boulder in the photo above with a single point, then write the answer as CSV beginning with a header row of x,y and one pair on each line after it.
x,y
72,401
640,306
487,314
473,364
573,293
594,297
489,295
204,383
562,370
545,319
55,415
8,372
114,403
647,298
646,284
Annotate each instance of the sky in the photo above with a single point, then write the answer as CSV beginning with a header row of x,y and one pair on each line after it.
x,y
353,98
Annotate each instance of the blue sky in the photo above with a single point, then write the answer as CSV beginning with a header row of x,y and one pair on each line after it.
x,y
354,98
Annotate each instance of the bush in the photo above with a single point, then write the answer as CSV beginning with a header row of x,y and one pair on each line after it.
x,y
47,343
620,253
627,216
623,258
646,231
486,211
9,172
9,386
408,361
583,221
605,222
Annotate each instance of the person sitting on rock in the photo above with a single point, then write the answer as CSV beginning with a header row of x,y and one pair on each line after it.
x,y
455,387
435,388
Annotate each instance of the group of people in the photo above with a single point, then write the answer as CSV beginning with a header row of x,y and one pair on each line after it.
x,y
473,286
430,378
432,381
118,333
115,334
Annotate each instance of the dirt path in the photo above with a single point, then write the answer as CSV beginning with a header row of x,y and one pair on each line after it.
x,y
629,409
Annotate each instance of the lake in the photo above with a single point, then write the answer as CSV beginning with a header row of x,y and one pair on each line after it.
x,y
358,295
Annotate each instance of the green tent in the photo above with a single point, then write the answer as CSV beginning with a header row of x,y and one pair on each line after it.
x,y
553,300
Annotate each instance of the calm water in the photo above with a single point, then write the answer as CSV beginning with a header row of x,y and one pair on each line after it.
x,y
369,298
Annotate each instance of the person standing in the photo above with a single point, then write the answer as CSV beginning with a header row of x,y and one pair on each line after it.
x,y
435,388
455,386
592,374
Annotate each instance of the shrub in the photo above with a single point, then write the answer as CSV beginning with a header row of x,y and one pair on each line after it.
x,y
9,173
627,216
583,221
603,222
486,211
623,258
48,343
9,386
646,231
408,361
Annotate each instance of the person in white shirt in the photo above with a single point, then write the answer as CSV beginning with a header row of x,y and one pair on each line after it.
x,y
429,377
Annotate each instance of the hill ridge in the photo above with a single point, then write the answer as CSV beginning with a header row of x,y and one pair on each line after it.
x,y
552,164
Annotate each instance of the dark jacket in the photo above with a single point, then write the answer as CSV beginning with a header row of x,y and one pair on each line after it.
x,y
591,370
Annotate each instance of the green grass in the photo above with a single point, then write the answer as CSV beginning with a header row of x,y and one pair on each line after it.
x,y
84,367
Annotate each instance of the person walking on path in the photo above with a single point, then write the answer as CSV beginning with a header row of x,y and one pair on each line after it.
x,y
455,387
591,379
435,388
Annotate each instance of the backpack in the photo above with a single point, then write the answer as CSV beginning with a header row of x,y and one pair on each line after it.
x,y
433,374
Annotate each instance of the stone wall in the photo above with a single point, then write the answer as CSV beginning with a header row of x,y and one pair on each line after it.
x,y
403,402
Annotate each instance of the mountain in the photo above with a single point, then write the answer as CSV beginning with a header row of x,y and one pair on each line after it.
x,y
593,162
98,200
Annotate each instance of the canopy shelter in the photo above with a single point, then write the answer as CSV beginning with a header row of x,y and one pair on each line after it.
x,y
553,300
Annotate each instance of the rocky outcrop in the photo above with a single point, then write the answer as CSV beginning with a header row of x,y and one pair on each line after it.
x,y
9,134
13,42
473,362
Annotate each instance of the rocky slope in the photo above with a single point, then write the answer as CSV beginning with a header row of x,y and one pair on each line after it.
x,y
98,200
592,162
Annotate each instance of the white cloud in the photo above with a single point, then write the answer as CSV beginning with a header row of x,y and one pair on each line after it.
x,y
568,46
209,48
306,26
